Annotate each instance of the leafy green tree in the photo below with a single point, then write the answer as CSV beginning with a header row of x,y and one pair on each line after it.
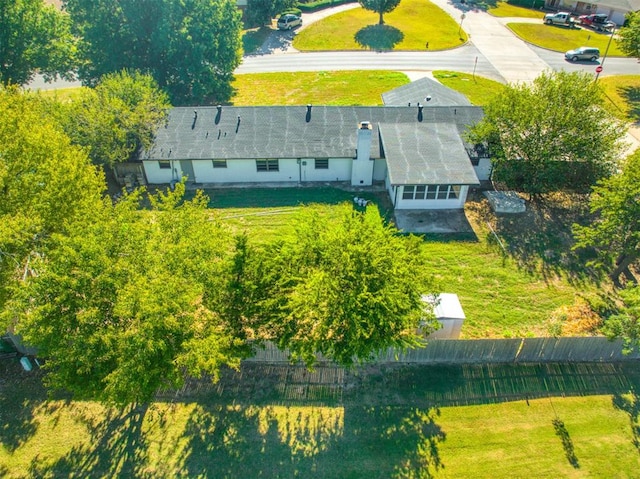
x,y
552,135
191,47
379,6
345,287
33,37
125,304
260,12
615,231
117,118
629,35
46,184
626,324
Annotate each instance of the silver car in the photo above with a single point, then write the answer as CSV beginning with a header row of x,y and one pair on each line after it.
x,y
583,53
288,21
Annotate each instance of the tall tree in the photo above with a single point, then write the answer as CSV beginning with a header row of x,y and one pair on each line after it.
x,y
191,47
46,184
615,231
115,119
629,35
625,324
380,7
552,135
260,12
345,287
33,37
126,304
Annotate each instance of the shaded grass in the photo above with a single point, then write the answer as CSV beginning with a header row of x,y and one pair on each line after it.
x,y
318,88
338,32
479,90
253,38
562,39
389,422
623,91
504,9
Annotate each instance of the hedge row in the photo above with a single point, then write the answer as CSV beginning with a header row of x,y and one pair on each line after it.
x,y
320,4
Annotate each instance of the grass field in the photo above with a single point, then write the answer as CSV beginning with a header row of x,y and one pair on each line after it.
x,y
504,9
477,89
562,39
542,421
404,29
623,91
318,88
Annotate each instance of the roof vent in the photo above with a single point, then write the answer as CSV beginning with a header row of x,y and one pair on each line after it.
x,y
238,124
218,114
308,116
195,118
420,112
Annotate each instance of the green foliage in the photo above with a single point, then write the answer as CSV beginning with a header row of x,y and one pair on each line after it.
x,y
191,48
629,35
33,37
552,135
379,6
345,287
117,118
260,12
46,184
615,231
626,324
320,4
125,303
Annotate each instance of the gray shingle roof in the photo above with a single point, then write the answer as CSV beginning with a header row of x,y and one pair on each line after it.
x,y
417,92
412,142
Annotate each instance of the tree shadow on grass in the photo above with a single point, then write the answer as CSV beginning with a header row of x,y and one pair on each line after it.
x,y
116,448
632,97
567,443
21,395
540,240
378,37
630,404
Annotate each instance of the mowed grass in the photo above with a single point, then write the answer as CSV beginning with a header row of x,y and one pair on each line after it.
x,y
390,422
504,9
412,25
623,91
317,88
562,39
479,90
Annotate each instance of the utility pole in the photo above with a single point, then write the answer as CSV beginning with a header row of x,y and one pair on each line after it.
x,y
601,66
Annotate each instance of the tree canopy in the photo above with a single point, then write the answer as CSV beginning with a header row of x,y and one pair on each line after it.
x,y
345,287
46,184
191,48
380,7
615,230
115,119
552,135
260,12
629,35
625,324
34,37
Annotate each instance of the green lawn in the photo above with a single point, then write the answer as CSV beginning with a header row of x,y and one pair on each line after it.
x,y
562,39
623,91
253,38
384,422
318,88
405,29
477,89
504,9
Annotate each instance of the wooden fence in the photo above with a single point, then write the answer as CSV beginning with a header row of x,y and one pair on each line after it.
x,y
461,351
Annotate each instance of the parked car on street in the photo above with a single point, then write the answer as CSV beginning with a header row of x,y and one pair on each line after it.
x,y
288,21
598,21
583,53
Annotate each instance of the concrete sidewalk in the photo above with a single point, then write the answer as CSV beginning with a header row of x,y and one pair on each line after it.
x,y
512,57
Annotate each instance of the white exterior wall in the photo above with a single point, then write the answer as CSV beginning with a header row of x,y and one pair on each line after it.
x,y
483,170
431,204
157,175
379,170
339,170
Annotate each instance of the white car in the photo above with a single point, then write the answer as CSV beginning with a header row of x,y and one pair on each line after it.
x,y
288,21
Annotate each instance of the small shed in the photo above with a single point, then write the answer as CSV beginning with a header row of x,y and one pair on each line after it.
x,y
449,313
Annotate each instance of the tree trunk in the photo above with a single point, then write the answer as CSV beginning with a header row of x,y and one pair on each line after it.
x,y
381,22
622,264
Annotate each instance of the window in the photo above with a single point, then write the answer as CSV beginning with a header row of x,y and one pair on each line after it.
x,y
164,164
454,192
267,165
407,192
431,192
322,163
420,191
443,192
219,163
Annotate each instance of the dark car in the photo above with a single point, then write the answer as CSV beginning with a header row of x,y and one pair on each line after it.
x,y
597,21
288,21
583,53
